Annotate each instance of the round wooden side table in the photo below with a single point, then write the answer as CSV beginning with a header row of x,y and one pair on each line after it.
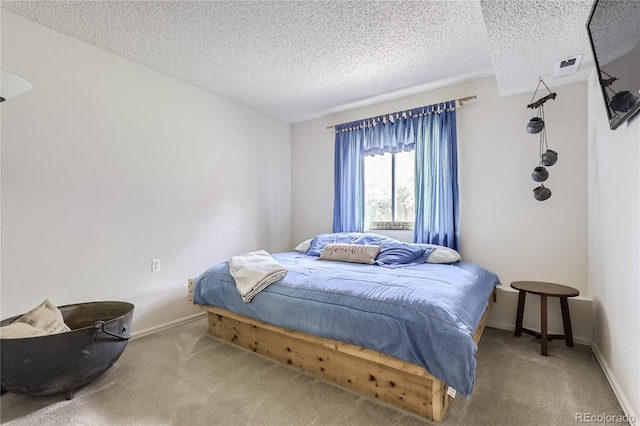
x,y
545,290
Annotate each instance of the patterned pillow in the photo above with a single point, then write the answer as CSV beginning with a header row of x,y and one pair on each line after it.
x,y
354,253
42,320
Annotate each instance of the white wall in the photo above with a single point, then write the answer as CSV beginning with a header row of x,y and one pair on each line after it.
x,y
614,247
503,227
107,164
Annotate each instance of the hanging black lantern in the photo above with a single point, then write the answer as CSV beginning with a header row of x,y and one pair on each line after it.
x,y
541,193
536,124
549,158
540,174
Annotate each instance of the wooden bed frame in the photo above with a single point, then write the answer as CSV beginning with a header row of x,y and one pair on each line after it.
x,y
400,383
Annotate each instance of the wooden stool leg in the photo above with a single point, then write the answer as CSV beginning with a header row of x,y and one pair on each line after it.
x,y
543,324
520,313
566,322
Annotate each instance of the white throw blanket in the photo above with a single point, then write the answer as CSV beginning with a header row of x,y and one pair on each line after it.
x,y
254,271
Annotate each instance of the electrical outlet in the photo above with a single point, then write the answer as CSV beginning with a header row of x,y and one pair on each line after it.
x,y
155,265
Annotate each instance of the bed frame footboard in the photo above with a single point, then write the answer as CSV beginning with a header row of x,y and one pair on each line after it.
x,y
400,383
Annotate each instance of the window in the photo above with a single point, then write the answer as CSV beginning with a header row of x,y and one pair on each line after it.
x,y
389,191
384,192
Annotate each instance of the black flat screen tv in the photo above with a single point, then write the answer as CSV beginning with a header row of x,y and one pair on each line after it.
x,y
614,33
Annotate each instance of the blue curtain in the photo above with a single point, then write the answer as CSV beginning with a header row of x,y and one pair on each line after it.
x,y
431,131
348,202
436,177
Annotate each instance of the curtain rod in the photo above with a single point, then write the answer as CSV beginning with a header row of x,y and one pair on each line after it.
x,y
459,104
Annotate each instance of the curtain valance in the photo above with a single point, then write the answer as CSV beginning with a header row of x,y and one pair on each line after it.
x,y
395,132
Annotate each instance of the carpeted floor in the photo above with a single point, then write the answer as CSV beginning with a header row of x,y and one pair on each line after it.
x,y
181,376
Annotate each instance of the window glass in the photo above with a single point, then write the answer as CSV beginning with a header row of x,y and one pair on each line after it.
x,y
385,204
377,189
405,187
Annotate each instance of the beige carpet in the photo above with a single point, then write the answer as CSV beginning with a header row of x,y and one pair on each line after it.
x,y
181,376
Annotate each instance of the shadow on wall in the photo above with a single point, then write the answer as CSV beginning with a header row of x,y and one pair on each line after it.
x,y
601,330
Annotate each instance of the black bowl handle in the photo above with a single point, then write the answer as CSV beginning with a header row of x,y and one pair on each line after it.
x,y
99,326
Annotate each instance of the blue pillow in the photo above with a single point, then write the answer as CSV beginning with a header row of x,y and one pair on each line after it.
x,y
395,253
320,242
370,238
402,254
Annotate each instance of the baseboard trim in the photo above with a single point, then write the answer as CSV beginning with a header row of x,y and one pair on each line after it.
x,y
511,327
501,325
167,325
617,390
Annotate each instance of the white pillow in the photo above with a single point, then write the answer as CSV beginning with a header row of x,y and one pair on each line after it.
x,y
45,319
442,254
304,246
354,253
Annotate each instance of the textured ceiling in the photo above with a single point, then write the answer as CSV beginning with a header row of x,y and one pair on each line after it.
x,y
527,37
297,60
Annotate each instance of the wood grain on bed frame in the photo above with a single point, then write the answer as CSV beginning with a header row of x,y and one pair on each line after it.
x,y
400,383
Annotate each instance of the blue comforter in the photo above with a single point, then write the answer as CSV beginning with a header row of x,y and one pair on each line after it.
x,y
425,314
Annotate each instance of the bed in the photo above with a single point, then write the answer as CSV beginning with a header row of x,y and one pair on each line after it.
x,y
406,335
